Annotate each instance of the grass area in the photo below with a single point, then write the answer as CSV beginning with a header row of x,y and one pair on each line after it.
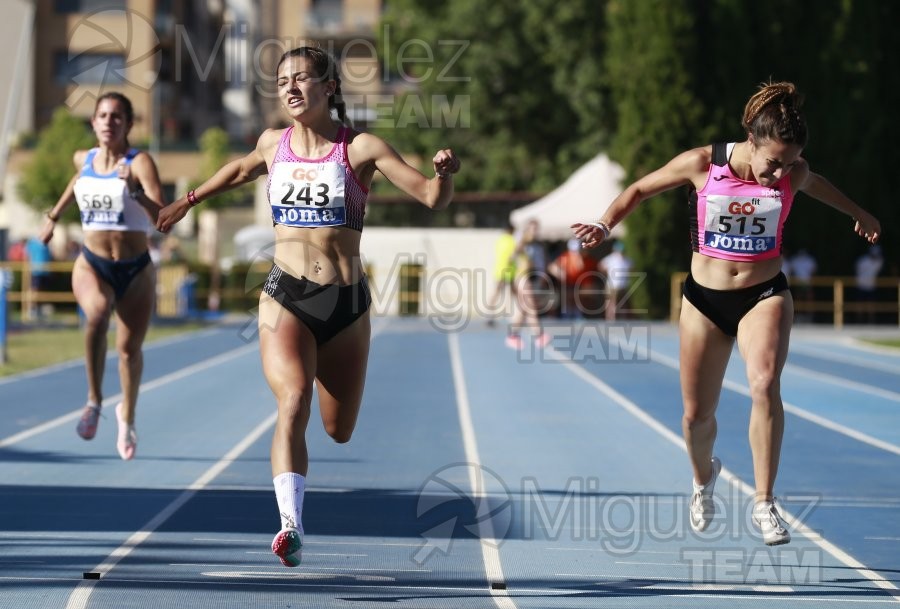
x,y
31,349
892,342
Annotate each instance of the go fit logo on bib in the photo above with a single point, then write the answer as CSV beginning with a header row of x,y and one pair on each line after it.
x,y
304,174
746,208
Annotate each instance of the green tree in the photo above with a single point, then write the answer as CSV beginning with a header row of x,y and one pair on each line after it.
x,y
840,54
48,173
851,111
650,61
515,88
548,84
215,150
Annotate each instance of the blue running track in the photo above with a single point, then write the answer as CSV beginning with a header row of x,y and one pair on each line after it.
x,y
478,477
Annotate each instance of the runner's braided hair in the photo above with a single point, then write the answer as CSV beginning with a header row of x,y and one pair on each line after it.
x,y
326,69
773,113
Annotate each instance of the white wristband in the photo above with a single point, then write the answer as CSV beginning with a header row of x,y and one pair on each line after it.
x,y
604,227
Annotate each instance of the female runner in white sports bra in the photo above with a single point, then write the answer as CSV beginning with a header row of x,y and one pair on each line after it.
x,y
314,309
119,195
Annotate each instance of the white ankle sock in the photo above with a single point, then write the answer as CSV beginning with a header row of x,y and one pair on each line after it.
x,y
289,494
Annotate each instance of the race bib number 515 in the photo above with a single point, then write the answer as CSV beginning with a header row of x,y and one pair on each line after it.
x,y
742,225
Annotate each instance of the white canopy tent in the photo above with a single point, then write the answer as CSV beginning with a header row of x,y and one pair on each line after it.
x,y
583,197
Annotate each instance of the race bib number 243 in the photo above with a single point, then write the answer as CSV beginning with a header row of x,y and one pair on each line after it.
x,y
308,194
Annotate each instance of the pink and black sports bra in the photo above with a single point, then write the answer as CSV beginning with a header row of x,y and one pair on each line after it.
x,y
315,193
733,219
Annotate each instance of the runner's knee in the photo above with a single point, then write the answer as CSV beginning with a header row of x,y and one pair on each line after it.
x,y
338,432
765,387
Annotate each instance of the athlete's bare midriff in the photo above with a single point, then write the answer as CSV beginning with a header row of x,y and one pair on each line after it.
x,y
116,245
732,274
324,255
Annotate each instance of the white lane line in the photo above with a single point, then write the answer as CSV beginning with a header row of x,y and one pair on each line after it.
x,y
111,354
232,541
796,411
145,387
744,488
78,599
490,553
381,323
846,358
306,570
842,382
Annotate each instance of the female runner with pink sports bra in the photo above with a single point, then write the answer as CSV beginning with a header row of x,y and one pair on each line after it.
x,y
741,195
314,309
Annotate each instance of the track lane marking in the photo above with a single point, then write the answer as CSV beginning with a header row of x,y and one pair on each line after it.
x,y
793,409
632,408
490,553
79,597
145,387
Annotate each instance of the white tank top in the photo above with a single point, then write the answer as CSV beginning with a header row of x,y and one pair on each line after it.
x,y
104,200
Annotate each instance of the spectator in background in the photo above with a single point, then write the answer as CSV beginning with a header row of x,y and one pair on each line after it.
x,y
868,266
16,252
38,255
530,275
617,268
803,267
574,269
504,270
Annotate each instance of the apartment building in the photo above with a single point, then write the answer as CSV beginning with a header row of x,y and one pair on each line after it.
x,y
186,66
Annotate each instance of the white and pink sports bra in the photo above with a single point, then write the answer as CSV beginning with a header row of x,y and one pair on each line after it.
x,y
315,193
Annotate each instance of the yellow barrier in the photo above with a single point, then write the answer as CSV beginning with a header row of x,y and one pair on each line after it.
x,y
168,283
410,295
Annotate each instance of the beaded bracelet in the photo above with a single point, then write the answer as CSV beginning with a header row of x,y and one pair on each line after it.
x,y
192,198
602,226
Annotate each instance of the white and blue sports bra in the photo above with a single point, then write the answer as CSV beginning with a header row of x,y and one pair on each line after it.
x,y
104,200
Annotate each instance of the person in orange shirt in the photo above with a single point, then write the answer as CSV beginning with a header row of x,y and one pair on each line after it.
x,y
576,271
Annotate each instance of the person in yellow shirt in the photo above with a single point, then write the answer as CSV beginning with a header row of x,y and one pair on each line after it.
x,y
530,261
504,270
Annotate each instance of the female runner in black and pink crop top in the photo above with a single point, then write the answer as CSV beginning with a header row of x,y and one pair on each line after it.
x,y
314,309
741,195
